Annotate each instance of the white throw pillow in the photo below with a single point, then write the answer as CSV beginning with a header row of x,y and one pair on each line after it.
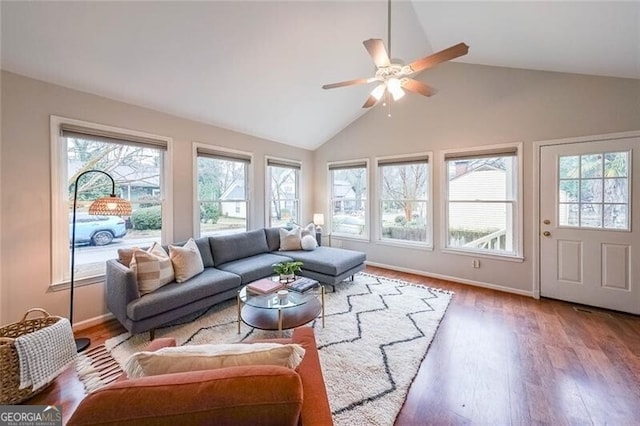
x,y
290,240
308,243
153,268
310,229
207,357
187,261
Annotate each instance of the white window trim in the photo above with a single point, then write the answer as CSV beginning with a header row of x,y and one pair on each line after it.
x,y
377,213
267,187
518,228
60,258
367,220
196,202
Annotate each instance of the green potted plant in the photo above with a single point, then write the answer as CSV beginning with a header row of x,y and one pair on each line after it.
x,y
287,270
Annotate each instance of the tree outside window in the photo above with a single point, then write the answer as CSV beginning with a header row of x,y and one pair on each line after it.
x,y
404,199
283,201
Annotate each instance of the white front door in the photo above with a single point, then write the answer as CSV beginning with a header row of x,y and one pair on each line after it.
x,y
589,220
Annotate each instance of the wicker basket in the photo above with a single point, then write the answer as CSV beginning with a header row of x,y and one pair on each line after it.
x,y
9,363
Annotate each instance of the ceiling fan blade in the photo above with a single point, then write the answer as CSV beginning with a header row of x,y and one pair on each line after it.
x,y
453,52
348,83
376,49
371,101
418,87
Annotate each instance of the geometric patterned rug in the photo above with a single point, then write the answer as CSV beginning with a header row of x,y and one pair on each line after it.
x,y
377,333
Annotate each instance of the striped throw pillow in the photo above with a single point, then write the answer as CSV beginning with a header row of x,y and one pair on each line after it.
x,y
153,268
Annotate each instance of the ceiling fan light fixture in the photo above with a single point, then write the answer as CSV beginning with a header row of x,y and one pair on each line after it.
x,y
395,87
378,91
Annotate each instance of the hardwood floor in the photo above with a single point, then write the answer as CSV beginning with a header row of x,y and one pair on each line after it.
x,y
498,358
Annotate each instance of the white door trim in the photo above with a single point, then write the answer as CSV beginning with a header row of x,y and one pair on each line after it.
x,y
537,146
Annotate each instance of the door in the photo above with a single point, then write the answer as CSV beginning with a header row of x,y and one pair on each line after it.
x,y
589,220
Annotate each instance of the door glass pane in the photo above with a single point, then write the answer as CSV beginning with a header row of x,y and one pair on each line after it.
x,y
591,191
615,164
616,191
569,190
591,166
568,214
591,215
569,167
616,216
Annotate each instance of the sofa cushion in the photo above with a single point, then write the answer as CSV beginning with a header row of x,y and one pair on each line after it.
x,y
290,239
172,296
227,248
248,395
327,260
186,260
254,267
153,268
273,238
186,358
203,246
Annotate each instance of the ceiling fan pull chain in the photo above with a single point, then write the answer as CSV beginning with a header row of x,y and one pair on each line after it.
x,y
389,26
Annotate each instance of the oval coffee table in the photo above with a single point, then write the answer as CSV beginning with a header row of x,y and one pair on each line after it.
x,y
269,312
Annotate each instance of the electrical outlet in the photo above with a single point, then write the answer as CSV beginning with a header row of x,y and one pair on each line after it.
x,y
475,263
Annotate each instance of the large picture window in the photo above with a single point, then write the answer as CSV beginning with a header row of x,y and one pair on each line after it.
x,y
349,201
283,200
222,190
138,167
483,201
404,199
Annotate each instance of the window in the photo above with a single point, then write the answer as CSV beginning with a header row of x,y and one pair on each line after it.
x,y
349,204
136,162
222,190
404,199
594,190
483,201
283,200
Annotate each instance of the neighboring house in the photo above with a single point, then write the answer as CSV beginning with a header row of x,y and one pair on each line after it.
x,y
233,202
343,193
466,186
134,184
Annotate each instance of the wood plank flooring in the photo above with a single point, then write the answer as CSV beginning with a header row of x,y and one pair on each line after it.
x,y
500,359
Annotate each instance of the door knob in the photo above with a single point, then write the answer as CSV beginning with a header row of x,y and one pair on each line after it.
x,y
546,233
546,221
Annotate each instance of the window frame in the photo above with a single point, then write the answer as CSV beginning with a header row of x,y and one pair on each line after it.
x,y
60,250
408,159
518,213
230,154
336,165
281,162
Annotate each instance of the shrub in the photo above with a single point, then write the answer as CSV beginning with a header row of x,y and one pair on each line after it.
x,y
147,218
209,213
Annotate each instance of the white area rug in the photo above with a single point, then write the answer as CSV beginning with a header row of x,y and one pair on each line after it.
x,y
377,333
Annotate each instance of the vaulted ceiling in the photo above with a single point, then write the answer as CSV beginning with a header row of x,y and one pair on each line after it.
x,y
258,67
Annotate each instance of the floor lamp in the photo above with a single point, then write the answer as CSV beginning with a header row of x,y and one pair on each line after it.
x,y
104,206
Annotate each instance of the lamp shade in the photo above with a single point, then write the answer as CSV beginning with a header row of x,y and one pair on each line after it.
x,y
110,206
318,218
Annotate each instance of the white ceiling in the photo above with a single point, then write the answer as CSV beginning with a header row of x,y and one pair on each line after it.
x,y
258,67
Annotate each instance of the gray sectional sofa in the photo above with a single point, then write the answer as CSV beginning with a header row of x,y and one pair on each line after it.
x,y
230,261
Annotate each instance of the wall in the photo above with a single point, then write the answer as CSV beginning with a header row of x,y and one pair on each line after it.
x,y
25,184
480,105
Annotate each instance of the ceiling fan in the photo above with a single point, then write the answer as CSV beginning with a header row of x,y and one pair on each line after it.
x,y
393,78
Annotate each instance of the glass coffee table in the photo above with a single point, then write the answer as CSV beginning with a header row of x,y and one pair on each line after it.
x,y
276,311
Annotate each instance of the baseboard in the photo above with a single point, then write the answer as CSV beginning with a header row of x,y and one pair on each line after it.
x,y
450,278
91,322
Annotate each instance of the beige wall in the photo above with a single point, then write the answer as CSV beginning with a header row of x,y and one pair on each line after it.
x,y
25,184
480,105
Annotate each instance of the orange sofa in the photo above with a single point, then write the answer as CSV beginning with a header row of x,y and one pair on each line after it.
x,y
249,395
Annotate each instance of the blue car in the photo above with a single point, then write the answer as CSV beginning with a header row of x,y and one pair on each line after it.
x,y
97,230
